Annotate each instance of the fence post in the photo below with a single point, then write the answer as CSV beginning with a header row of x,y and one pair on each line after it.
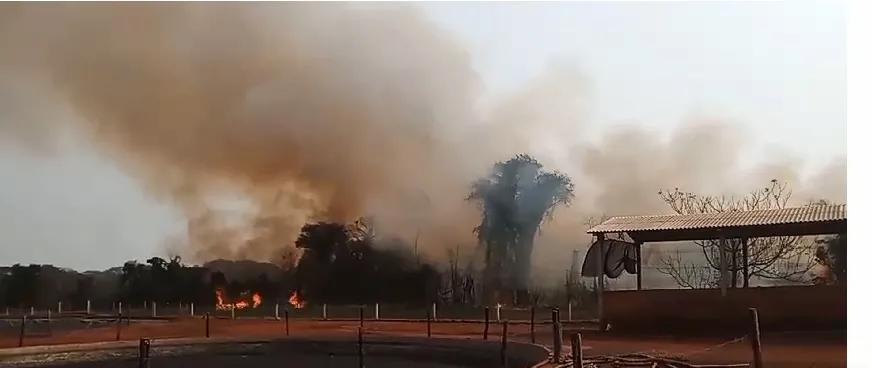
x,y
504,359
429,322
21,332
87,307
118,326
499,307
153,310
287,324
755,338
208,315
533,324
192,309
376,311
576,351
360,347
277,312
31,311
557,336
60,310
144,352
433,311
324,311
486,321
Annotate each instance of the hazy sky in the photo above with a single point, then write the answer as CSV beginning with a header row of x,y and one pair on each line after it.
x,y
776,67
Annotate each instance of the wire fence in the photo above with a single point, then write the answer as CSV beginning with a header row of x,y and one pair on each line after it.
x,y
441,312
494,324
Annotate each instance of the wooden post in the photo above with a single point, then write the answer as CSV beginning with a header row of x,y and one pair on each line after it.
x,y
533,324
324,311
638,265
755,339
21,332
429,322
745,275
504,359
144,352
486,321
376,312
600,279
433,311
576,351
208,317
724,274
360,347
287,324
118,326
557,335
87,307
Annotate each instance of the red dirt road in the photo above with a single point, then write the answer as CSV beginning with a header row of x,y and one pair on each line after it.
x,y
778,351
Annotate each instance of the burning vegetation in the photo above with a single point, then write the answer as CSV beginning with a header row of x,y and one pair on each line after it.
x,y
245,300
296,301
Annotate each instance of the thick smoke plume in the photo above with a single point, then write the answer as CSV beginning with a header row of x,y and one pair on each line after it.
x,y
295,111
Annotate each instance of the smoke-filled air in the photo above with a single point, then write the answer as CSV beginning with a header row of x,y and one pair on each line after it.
x,y
255,118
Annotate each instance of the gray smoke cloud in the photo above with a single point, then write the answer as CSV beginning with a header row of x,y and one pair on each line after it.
x,y
308,111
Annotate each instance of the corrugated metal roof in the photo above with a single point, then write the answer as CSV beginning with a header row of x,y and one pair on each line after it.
x,y
780,216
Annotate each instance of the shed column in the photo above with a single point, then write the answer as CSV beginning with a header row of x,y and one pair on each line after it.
x,y
725,277
638,265
600,281
745,275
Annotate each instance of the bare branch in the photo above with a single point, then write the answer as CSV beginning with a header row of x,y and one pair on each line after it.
x,y
778,258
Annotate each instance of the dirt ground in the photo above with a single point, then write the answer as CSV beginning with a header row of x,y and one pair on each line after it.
x,y
788,350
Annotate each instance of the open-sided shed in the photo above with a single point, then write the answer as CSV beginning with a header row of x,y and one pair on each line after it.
x,y
794,221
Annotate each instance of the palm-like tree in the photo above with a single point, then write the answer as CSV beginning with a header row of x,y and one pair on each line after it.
x,y
515,200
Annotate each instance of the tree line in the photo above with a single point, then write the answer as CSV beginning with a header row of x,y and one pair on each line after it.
x,y
337,266
347,263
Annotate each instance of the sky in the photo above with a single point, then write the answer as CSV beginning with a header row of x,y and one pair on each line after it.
x,y
777,68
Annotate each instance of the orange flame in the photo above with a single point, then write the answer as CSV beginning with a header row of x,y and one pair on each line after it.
x,y
295,301
241,303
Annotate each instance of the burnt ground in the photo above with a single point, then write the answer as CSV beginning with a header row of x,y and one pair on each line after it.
x,y
779,350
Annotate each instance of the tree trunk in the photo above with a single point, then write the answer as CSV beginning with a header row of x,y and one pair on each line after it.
x,y
523,263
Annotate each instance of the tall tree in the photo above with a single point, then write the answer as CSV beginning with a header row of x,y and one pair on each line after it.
x,y
515,200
